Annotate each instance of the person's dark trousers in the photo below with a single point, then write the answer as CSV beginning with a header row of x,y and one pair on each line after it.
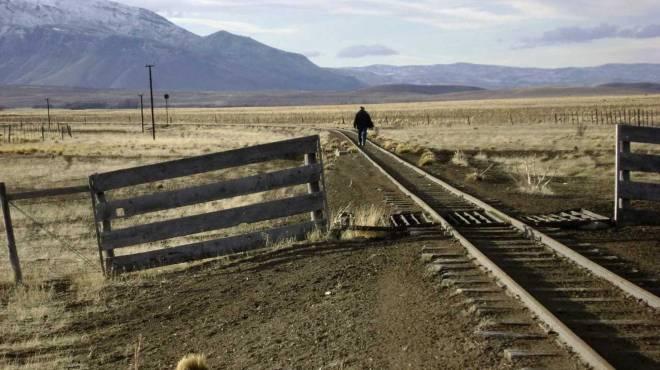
x,y
362,136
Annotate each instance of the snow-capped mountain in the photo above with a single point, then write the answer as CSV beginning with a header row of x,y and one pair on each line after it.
x,y
104,44
91,17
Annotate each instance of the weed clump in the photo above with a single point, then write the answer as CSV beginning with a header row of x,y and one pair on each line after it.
x,y
532,179
427,158
478,175
460,159
192,362
403,149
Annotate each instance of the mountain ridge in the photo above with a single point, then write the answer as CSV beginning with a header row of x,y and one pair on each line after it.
x,y
498,77
103,44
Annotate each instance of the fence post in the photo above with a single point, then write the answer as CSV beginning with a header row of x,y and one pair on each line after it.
x,y
11,241
313,187
106,258
620,204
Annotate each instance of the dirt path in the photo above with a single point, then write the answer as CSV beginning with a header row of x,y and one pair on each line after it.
x,y
339,306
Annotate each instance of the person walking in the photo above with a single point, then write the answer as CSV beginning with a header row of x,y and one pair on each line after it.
x,y
362,123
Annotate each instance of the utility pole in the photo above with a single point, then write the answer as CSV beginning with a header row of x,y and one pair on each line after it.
x,y
48,110
142,111
151,90
167,112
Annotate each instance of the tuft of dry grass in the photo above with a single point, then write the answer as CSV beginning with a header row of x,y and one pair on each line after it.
x,y
390,145
192,361
427,158
315,235
530,178
403,148
481,156
478,175
366,215
369,215
460,159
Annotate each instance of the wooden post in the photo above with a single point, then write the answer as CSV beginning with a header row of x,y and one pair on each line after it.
x,y
106,262
11,241
621,176
9,134
313,187
48,110
43,133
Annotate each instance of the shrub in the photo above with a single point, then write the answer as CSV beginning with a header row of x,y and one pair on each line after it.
x,y
427,158
530,178
460,159
192,362
477,175
403,148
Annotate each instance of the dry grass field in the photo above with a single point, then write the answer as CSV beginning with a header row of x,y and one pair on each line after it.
x,y
558,151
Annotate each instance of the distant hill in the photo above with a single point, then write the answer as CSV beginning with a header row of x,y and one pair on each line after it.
x,y
500,77
81,98
418,89
641,87
103,44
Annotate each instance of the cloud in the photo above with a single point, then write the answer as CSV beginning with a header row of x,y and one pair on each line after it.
x,y
361,51
232,26
568,35
443,14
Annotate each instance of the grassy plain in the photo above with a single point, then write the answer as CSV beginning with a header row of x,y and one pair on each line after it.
x,y
562,139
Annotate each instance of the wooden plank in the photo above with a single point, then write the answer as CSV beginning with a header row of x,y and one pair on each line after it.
x,y
48,192
210,192
649,135
205,163
639,162
11,240
211,221
639,217
639,190
211,248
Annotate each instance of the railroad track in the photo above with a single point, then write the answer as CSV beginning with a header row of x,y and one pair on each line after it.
x,y
605,319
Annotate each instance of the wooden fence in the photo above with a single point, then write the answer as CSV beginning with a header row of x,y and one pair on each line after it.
x,y
109,239
627,161
23,132
5,198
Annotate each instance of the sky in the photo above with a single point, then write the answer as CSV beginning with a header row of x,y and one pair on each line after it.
x,y
530,33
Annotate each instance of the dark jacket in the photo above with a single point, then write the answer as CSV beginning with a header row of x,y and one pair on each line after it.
x,y
362,120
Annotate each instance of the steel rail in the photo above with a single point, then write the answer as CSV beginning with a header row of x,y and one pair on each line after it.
x,y
565,334
625,285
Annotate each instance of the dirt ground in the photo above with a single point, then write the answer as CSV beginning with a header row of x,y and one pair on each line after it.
x,y
342,305
338,305
348,305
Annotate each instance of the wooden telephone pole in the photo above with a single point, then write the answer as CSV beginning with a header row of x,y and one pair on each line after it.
x,y
151,90
142,111
48,110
